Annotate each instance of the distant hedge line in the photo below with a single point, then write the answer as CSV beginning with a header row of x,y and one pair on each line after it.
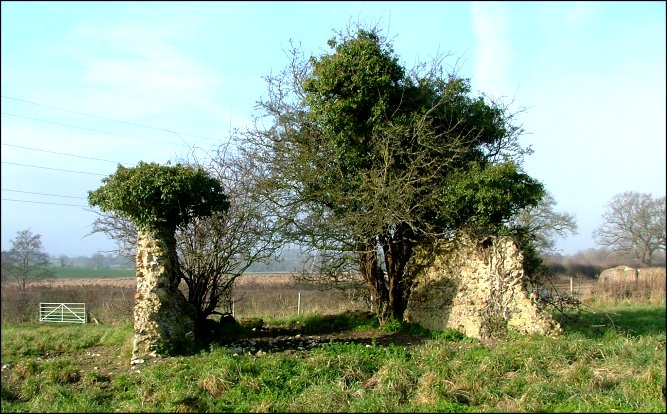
x,y
90,273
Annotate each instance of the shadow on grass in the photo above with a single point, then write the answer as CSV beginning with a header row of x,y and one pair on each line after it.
x,y
312,331
625,321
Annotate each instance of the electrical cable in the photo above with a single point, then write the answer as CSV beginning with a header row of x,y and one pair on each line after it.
x,y
95,130
56,169
108,119
51,195
62,153
42,202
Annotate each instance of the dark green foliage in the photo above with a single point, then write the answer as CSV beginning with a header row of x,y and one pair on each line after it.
x,y
543,224
486,198
367,161
160,196
420,146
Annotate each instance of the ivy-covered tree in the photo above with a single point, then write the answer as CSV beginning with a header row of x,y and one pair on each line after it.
x,y
158,199
213,251
366,161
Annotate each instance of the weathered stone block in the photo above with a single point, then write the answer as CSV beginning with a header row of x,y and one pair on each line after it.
x,y
163,319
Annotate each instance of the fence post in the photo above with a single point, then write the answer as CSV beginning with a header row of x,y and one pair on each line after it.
x,y
571,285
298,305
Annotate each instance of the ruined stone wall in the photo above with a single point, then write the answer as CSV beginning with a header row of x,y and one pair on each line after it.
x,y
476,287
163,319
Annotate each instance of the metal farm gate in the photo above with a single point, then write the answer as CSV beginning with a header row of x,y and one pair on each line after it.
x,y
62,312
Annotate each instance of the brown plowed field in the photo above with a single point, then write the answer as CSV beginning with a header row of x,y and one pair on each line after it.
x,y
121,282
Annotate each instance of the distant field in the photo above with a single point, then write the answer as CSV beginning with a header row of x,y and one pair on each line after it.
x,y
126,278
90,273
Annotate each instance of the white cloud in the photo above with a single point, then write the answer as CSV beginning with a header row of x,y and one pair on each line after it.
x,y
142,73
493,54
133,71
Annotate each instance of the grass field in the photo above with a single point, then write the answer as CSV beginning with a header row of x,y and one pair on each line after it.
x,y
609,360
90,273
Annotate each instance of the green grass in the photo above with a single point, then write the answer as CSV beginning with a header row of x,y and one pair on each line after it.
x,y
91,273
43,340
610,360
628,319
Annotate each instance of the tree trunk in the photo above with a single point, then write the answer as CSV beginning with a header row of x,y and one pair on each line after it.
x,y
390,293
374,278
398,249
163,319
202,295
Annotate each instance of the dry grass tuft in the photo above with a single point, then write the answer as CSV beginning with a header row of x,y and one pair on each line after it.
x,y
646,290
214,385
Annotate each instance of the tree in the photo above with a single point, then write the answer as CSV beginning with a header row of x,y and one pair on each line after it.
x,y
364,162
536,228
215,250
634,223
546,224
98,260
26,263
63,260
218,249
158,200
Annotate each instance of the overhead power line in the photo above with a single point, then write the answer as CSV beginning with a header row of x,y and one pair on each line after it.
x,y
49,168
43,202
108,119
62,153
45,194
94,130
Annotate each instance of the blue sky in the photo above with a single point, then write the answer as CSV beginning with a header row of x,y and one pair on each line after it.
x,y
166,79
